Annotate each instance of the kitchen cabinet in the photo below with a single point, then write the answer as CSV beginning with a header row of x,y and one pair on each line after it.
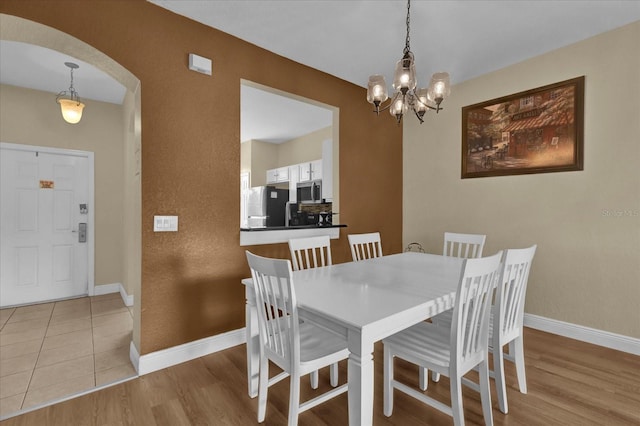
x,y
281,174
311,170
293,183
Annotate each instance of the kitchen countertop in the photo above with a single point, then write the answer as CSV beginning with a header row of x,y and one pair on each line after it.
x,y
282,234
293,228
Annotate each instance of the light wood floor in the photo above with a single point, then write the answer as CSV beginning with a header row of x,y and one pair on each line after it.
x,y
570,383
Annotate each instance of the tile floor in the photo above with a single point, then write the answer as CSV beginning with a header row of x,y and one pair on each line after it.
x,y
51,350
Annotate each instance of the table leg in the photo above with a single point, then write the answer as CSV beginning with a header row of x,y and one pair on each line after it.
x,y
360,376
253,343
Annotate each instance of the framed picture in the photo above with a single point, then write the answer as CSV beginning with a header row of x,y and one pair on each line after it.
x,y
536,131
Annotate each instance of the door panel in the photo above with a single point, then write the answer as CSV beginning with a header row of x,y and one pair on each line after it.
x,y
62,264
40,198
27,209
27,266
62,211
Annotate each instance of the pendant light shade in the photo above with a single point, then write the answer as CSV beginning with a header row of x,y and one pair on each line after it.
x,y
439,87
404,78
70,104
377,90
71,110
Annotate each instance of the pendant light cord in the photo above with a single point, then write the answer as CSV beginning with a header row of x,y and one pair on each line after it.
x,y
407,47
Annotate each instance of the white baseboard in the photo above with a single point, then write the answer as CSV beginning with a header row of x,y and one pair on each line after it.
x,y
126,298
101,289
134,357
585,334
114,288
164,358
158,360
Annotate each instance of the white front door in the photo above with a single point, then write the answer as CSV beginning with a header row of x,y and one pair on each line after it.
x,y
44,202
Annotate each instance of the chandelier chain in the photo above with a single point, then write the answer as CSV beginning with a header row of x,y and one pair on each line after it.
x,y
407,47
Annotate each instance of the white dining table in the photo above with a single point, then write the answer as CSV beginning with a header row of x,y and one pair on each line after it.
x,y
365,302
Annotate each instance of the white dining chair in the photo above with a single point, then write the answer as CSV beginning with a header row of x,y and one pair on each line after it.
x,y
468,246
297,348
310,252
450,352
505,324
313,252
365,246
506,327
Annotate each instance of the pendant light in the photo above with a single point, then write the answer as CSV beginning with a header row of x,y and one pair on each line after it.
x,y
70,104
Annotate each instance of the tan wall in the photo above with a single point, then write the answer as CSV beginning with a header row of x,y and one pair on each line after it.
x,y
304,148
191,157
587,266
264,156
31,117
261,156
245,156
131,270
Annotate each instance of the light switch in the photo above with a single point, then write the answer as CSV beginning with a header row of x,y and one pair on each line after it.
x,y
165,223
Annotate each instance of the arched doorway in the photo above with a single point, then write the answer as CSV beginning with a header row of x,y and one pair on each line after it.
x,y
21,30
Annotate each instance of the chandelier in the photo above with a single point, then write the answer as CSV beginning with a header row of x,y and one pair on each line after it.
x,y
404,82
70,104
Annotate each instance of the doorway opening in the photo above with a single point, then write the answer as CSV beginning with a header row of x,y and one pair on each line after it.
x,y
129,251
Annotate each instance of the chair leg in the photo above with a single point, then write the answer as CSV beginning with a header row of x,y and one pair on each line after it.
x,y
387,378
516,347
333,372
294,400
485,393
263,388
498,371
435,376
456,399
314,379
424,378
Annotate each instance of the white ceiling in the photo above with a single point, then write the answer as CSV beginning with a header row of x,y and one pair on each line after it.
x,y
39,68
352,39
269,117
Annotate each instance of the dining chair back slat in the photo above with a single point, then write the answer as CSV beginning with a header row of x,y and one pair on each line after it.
x,y
311,252
468,246
365,246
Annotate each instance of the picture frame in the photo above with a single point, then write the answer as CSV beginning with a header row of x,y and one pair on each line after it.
x,y
535,131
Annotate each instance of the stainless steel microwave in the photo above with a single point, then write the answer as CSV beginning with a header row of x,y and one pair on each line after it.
x,y
309,192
